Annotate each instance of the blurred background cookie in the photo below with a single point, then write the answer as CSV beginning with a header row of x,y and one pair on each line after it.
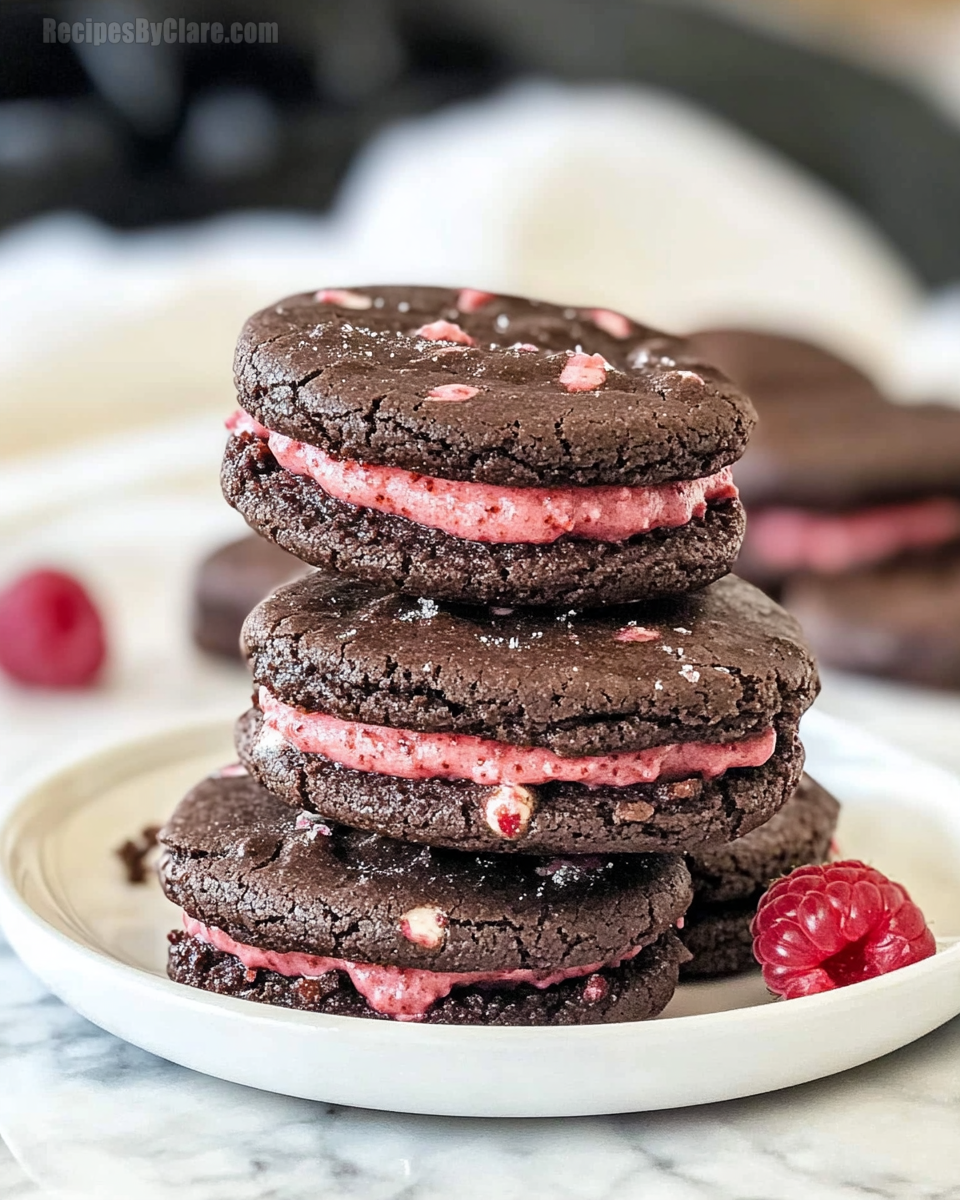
x,y
229,583
854,507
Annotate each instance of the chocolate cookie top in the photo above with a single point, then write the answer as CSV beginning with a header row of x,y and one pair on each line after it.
x,y
798,834
352,372
828,438
717,665
237,859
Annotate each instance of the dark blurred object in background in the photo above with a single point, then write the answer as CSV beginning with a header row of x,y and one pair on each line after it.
x,y
140,134
229,583
853,506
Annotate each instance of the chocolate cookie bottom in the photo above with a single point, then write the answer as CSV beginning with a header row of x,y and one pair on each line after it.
x,y
719,940
567,818
391,551
633,991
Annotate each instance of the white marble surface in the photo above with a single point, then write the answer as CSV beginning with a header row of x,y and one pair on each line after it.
x,y
87,1116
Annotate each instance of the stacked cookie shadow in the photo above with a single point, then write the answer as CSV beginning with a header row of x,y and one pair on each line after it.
x,y
519,736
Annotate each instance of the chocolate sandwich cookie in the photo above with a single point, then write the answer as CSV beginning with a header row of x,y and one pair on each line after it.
x,y
837,478
229,582
287,910
653,728
899,619
729,880
485,449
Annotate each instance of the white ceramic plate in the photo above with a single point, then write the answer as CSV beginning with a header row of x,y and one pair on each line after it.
x,y
99,944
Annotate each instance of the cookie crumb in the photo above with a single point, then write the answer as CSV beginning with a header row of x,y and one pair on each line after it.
x,y
133,854
632,812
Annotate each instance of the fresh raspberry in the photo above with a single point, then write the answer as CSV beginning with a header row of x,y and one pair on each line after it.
x,y
823,927
51,634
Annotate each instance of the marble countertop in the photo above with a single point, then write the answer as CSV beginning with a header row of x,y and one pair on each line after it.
x,y
85,1115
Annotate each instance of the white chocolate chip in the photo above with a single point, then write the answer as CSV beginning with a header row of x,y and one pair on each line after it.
x,y
508,810
425,926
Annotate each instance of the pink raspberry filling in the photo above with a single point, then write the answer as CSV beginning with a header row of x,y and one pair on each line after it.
x,y
796,539
404,993
406,754
480,512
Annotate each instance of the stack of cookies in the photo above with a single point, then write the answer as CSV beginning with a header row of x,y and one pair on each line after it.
x,y
518,700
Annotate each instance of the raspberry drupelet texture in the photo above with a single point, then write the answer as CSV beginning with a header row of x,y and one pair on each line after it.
x,y
824,927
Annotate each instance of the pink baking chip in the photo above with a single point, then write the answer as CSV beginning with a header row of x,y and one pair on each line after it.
x,y
445,331
595,989
508,810
635,633
470,300
584,372
614,323
524,347
453,391
425,926
343,299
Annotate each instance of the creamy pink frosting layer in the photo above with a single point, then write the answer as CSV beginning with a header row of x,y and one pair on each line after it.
x,y
480,512
411,755
798,539
404,993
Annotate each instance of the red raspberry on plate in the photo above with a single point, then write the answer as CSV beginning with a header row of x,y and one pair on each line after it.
x,y
823,927
51,634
